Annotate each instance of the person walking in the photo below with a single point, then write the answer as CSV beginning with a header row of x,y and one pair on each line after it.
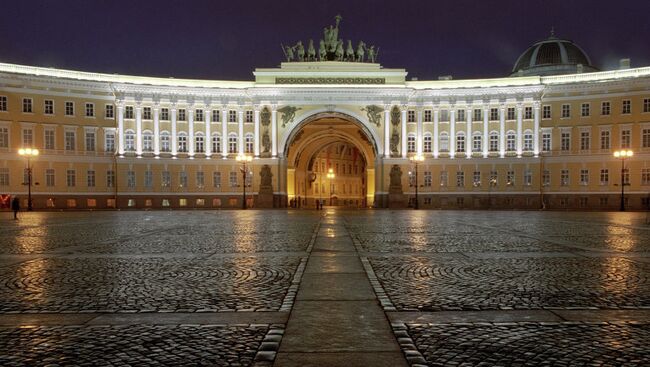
x,y
15,206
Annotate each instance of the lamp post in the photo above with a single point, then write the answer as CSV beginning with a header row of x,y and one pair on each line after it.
x,y
330,176
416,159
622,154
244,159
29,153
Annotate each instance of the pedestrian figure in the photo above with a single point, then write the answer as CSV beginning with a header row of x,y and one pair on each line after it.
x,y
15,206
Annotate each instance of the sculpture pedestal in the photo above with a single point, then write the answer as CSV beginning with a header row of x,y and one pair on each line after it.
x,y
397,201
264,200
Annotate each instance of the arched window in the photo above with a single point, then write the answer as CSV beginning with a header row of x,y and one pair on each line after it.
x,y
147,141
129,140
511,141
410,143
427,143
444,142
528,141
460,142
494,141
216,143
232,143
182,142
165,146
477,142
199,143
248,147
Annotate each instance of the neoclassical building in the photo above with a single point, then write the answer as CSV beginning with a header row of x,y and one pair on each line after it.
x,y
541,136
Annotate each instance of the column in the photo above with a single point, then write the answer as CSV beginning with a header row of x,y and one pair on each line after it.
x,y
452,132
256,144
240,122
502,131
420,134
387,131
486,136
520,121
138,129
436,122
156,129
404,131
120,128
536,130
274,133
208,139
174,138
224,132
468,132
190,131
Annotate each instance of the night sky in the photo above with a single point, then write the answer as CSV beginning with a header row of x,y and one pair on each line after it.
x,y
229,39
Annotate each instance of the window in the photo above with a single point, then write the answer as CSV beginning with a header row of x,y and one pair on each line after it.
x,y
3,103
605,108
546,178
232,116
199,143
476,179
198,115
90,178
511,141
129,141
249,180
164,114
494,141
49,177
427,116
200,179
494,178
427,143
216,143
626,138
91,203
603,201
71,203
565,142
546,112
48,107
645,138
566,111
249,117
69,108
460,142
147,141
460,115
604,177
165,202
585,140
131,203
148,179
584,177
510,113
460,179
165,143
109,141
70,140
444,142
90,141
4,176
181,115
564,177
646,105
90,110
182,142
604,139
216,116
510,178
27,105
232,143
249,140
410,116
528,141
546,141
110,178
28,137
109,112
477,114
166,179
146,113
626,176
528,113
182,179
528,177
216,179
477,141
645,176
4,137
410,143
71,178
233,179
585,110
627,107
182,202
494,114
427,179
130,179
443,178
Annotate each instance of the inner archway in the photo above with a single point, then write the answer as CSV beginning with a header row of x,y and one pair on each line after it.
x,y
330,144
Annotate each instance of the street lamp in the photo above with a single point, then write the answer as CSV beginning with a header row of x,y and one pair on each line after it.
x,y
29,153
330,176
416,159
244,159
622,154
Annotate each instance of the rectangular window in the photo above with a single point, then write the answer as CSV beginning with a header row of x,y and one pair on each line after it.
x,y
4,137
110,178
49,177
645,176
90,110
444,115
604,177
511,113
164,114
128,112
410,116
146,113
3,103
646,105
216,179
90,178
198,115
565,145
182,179
4,176
528,177
566,111
645,138
584,177
48,107
460,179
494,114
626,177
130,179
627,107
233,179
528,113
478,114
71,178
510,178
27,105
546,142
69,108
443,178
70,141
546,112
110,141
427,179
232,116
166,179
605,108
182,115
109,112
249,117
604,139
476,178
200,179
546,178
564,177
626,139
585,140
585,110
427,116
216,116
148,179
28,137
90,141
460,116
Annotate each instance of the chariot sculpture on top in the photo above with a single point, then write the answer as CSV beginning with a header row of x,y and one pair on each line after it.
x,y
331,48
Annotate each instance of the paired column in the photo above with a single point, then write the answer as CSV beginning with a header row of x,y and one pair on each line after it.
x,y
274,128
536,130
120,128
256,118
387,131
240,123
520,122
502,131
468,139
224,133
452,132
207,143
174,138
404,131
486,142
436,146
138,129
156,130
190,133
419,135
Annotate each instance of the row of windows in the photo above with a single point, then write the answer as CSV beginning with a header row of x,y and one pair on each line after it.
x,y
183,142
182,115
49,107
132,203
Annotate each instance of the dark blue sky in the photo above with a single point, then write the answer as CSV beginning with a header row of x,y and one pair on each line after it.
x,y
228,39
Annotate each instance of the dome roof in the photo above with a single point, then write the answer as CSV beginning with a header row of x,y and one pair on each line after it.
x,y
552,56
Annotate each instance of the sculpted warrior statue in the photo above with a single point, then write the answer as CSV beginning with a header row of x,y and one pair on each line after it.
x,y
374,114
361,51
311,51
288,53
266,142
371,54
322,51
331,35
349,52
300,50
339,51
288,113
